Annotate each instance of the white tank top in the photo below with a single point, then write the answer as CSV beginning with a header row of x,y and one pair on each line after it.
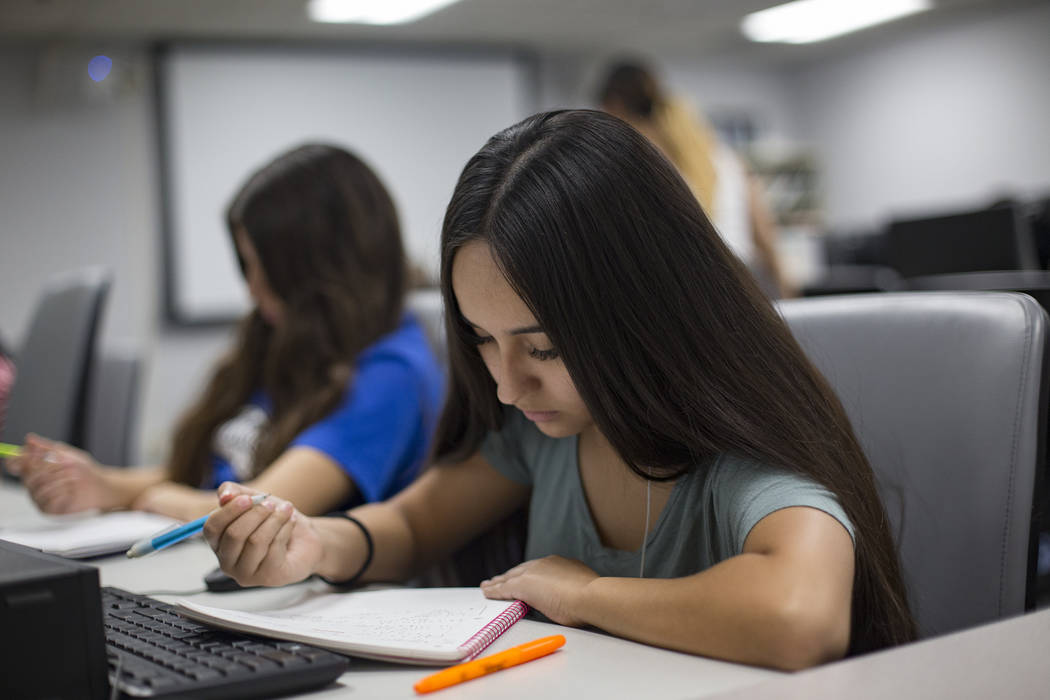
x,y
732,216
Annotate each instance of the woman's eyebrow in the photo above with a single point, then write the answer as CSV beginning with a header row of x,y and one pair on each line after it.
x,y
524,330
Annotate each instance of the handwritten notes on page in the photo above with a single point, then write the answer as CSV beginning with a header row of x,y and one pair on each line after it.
x,y
412,625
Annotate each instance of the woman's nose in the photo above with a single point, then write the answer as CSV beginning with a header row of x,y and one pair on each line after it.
x,y
513,381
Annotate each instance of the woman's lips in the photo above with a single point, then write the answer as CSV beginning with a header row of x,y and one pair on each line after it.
x,y
540,416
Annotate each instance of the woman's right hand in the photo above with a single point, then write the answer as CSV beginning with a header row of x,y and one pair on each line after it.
x,y
269,544
62,479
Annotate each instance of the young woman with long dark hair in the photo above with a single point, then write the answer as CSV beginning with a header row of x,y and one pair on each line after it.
x,y
691,479
330,394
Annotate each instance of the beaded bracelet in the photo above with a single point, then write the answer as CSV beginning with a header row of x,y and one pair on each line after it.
x,y
368,558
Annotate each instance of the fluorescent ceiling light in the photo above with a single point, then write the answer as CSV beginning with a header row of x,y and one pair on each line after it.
x,y
805,21
372,11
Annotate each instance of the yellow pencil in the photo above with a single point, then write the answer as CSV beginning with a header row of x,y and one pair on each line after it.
x,y
9,450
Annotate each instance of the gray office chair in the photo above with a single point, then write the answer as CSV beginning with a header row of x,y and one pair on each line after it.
x,y
428,307
50,391
947,392
1035,283
113,399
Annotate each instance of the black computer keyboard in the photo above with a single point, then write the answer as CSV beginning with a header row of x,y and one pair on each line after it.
x,y
154,652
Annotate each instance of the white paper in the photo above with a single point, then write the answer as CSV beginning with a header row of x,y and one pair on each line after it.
x,y
89,536
418,625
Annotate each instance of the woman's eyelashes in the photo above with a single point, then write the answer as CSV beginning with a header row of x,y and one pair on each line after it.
x,y
551,354
535,353
475,339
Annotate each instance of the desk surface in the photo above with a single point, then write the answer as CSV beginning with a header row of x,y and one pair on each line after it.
x,y
1007,659
590,664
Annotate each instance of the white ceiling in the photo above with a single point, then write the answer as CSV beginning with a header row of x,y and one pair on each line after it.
x,y
683,27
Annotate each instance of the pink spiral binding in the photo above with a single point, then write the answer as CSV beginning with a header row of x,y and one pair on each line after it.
x,y
497,626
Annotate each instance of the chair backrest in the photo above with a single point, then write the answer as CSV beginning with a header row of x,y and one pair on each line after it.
x,y
947,392
50,392
113,399
1034,283
427,305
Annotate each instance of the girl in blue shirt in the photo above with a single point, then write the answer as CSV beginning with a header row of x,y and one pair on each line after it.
x,y
330,393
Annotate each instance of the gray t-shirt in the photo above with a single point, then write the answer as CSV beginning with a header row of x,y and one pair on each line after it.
x,y
708,515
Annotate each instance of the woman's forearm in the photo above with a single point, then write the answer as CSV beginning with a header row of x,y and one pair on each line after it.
x,y
435,515
175,500
345,548
738,610
127,484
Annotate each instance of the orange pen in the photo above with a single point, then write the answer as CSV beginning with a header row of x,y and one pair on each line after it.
x,y
490,664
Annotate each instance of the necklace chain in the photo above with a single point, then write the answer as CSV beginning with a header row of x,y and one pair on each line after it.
x,y
645,535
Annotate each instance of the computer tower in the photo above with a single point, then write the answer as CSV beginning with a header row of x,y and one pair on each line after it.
x,y
52,643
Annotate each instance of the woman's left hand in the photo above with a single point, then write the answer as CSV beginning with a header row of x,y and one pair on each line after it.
x,y
552,585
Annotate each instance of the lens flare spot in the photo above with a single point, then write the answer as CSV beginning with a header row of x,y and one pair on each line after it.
x,y
99,67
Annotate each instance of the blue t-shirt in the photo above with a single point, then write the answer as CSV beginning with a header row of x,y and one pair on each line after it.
x,y
379,433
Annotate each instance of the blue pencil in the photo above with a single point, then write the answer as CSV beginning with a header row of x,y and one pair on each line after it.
x,y
170,537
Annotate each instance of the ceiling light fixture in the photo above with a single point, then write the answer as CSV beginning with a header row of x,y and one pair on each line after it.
x,y
806,21
372,11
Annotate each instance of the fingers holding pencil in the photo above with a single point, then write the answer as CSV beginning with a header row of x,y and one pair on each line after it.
x,y
234,501
60,478
228,527
270,544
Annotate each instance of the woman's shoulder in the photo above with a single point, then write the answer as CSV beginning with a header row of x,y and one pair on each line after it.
x,y
730,473
746,489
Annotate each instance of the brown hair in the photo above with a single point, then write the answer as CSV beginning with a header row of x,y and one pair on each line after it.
x,y
675,351
327,236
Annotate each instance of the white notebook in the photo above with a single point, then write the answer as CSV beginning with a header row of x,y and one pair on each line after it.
x,y
434,626
79,536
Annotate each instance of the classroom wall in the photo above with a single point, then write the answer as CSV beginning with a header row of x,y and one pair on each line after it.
x,y
78,187
942,118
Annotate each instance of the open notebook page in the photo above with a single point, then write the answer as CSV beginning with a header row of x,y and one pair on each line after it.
x,y
91,535
407,625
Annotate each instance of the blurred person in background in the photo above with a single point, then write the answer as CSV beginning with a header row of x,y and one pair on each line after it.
x,y
7,380
330,393
730,196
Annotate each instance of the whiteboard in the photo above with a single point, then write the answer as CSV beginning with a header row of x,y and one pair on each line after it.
x,y
415,116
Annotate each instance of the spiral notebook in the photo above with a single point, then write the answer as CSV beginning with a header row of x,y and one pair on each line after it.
x,y
430,626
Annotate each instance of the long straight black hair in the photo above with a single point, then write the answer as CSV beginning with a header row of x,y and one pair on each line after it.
x,y
672,346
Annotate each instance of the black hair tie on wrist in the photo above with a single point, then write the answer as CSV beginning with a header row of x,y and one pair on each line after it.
x,y
368,558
